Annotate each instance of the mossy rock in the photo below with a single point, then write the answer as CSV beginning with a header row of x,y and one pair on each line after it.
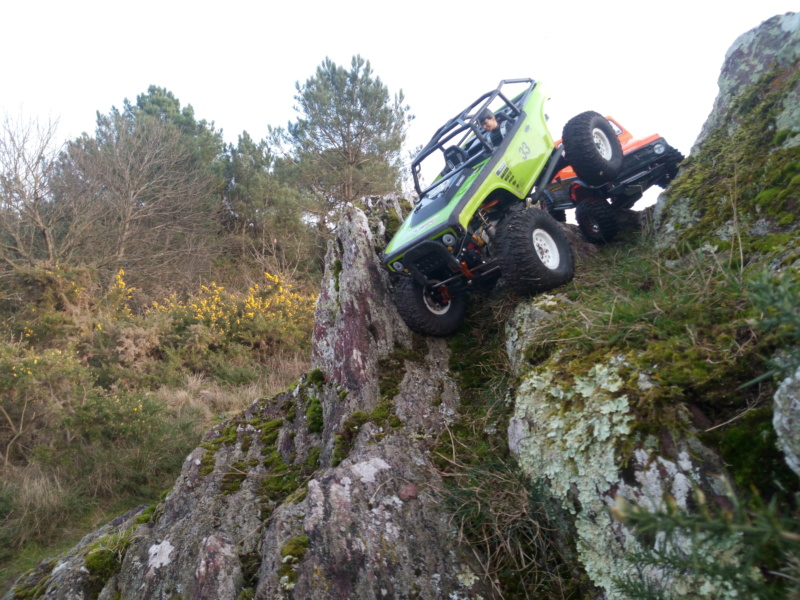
x,y
742,172
314,416
344,438
292,553
233,478
316,378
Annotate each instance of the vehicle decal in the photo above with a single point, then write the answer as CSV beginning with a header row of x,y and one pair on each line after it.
x,y
500,168
525,150
423,225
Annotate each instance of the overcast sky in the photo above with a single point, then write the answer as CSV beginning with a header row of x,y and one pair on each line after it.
x,y
652,65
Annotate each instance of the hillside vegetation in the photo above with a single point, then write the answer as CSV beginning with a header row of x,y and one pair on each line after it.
x,y
153,281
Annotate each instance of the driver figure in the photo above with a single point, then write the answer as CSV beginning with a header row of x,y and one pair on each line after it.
x,y
496,126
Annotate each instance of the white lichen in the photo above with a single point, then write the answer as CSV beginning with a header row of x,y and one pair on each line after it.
x,y
786,419
159,555
366,470
467,578
568,433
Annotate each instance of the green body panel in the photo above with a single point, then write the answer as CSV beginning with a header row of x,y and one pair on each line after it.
x,y
524,158
409,232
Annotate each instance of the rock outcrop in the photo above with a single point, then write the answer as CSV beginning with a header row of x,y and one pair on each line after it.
x,y
775,43
324,491
736,187
786,419
571,430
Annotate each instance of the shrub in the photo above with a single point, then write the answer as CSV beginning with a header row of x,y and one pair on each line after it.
x,y
268,317
745,551
37,391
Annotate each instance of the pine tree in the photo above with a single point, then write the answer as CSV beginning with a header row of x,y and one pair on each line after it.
x,y
347,141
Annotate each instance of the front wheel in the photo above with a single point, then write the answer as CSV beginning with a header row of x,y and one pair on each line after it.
x,y
596,220
533,252
426,310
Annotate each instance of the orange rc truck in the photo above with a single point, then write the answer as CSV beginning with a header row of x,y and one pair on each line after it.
x,y
646,162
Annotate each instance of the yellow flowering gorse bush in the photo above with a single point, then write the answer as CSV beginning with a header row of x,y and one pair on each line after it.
x,y
268,315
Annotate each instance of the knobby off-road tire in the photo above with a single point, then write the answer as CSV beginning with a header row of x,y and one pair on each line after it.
x,y
533,252
596,220
423,314
592,148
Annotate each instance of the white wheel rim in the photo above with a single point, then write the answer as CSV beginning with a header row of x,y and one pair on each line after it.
x,y
434,307
546,249
602,144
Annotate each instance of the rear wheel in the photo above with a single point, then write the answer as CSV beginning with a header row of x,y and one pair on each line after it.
x,y
592,148
533,252
426,310
596,220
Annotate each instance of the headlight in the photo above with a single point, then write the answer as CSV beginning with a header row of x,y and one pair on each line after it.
x,y
397,265
659,148
449,239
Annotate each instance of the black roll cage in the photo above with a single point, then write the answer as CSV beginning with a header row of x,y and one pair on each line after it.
x,y
466,122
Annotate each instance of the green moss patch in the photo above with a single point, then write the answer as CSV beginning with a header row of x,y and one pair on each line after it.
x,y
316,378
392,368
314,417
749,448
292,553
233,478
269,434
344,438
33,584
104,559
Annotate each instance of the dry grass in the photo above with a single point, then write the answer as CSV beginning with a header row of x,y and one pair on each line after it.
x,y
210,399
511,528
40,503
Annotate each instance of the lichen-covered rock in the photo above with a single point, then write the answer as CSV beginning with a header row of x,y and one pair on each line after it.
x,y
355,320
385,214
74,575
576,433
219,571
523,319
354,537
323,491
786,419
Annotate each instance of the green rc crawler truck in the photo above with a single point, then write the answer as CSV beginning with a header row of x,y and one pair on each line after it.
x,y
475,221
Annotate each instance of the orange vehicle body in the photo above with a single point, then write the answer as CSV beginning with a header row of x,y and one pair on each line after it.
x,y
625,138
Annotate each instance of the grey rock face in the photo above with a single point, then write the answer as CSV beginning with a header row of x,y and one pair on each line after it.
x,y
355,319
786,419
773,43
66,577
364,541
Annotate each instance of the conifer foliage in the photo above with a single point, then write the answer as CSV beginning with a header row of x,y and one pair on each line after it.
x,y
347,140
